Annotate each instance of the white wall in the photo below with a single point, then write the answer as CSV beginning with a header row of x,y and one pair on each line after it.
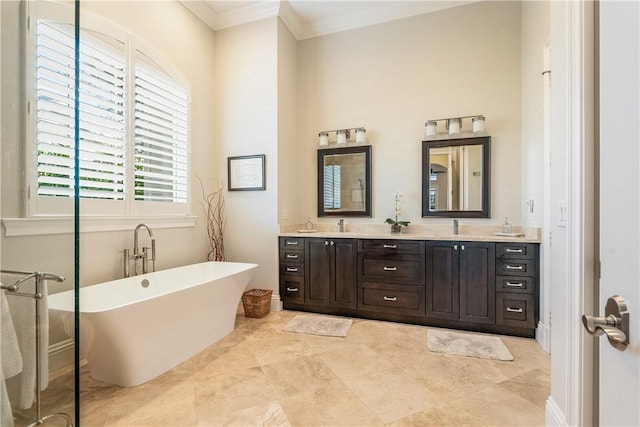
x,y
535,20
246,123
536,32
290,181
392,77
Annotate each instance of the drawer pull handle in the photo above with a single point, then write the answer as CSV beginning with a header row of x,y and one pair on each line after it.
x,y
390,268
514,251
292,269
514,267
515,284
291,243
514,310
295,256
390,298
389,246
292,289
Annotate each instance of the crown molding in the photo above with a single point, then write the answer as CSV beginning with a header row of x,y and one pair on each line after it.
x,y
250,12
290,19
202,10
384,12
255,11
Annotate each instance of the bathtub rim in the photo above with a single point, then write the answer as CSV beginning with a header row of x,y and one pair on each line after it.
x,y
64,301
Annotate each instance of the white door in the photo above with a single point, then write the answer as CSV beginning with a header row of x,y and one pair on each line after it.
x,y
619,388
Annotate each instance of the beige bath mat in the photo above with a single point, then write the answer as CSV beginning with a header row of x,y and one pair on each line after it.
x,y
470,345
319,325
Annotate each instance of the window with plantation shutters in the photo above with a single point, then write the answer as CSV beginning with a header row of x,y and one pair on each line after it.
x,y
161,137
134,124
332,187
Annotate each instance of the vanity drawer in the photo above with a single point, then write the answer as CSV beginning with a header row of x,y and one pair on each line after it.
x,y
292,243
515,250
292,289
291,269
291,256
401,269
391,246
515,310
390,298
517,284
520,267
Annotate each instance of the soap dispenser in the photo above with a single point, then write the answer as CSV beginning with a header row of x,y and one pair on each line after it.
x,y
309,225
506,227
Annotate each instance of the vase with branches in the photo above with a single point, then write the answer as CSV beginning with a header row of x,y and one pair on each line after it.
x,y
213,205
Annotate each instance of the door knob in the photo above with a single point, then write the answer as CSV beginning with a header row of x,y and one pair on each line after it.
x,y
615,323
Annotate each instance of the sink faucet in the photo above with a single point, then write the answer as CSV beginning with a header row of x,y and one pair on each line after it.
x,y
341,225
138,255
455,226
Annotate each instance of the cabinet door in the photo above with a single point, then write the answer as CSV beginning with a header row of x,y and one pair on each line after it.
x,y
318,272
442,264
344,289
477,282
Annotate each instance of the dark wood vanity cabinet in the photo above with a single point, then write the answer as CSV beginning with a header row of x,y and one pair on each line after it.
x,y
330,269
480,286
517,272
391,276
292,274
460,281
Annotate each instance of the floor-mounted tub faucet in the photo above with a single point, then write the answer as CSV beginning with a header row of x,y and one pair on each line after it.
x,y
144,256
341,225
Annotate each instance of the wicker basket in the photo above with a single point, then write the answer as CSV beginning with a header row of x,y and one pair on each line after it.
x,y
256,303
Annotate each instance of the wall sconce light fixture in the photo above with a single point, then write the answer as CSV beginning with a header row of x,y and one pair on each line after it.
x,y
343,136
454,127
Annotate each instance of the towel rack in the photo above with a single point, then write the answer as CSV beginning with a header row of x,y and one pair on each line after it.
x,y
14,289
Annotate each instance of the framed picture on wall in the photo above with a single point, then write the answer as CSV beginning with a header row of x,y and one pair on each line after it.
x,y
246,173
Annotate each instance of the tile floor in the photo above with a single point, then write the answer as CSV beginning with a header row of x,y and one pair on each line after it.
x,y
380,374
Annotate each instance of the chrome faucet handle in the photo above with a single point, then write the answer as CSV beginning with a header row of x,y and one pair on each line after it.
x,y
153,254
145,260
127,271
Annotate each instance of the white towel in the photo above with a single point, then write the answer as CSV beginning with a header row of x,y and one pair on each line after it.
x,y
10,351
22,387
6,415
10,359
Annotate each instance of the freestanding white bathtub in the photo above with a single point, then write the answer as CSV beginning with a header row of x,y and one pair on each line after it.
x,y
134,329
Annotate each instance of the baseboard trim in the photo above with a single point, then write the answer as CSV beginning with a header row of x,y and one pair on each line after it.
x,y
543,336
276,303
554,417
61,354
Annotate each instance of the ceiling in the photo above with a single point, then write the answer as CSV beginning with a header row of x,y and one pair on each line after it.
x,y
311,18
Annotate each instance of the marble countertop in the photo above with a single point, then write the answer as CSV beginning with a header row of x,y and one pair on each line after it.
x,y
416,232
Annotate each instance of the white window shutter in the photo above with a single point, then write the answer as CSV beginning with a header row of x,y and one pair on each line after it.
x,y
161,137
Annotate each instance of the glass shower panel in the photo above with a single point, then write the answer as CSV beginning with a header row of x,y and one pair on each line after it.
x,y
39,375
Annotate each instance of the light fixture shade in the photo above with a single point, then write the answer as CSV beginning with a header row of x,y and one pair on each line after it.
x,y
454,126
478,124
430,128
324,139
361,136
341,136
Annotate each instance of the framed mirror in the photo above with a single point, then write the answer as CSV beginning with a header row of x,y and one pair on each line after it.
x,y
344,181
456,177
